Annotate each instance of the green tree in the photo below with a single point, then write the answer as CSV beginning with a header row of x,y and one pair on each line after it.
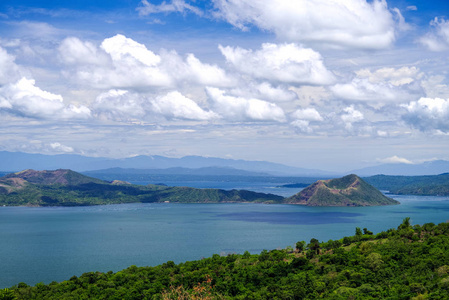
x,y
314,245
366,231
374,261
300,246
405,223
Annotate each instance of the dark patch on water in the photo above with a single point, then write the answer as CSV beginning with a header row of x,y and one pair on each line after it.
x,y
445,208
293,218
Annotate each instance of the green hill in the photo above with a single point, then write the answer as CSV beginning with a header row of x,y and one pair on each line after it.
x,y
68,188
431,185
60,176
349,190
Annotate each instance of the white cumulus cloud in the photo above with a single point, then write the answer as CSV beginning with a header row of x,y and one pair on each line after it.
x,y
347,23
58,147
176,105
25,99
350,116
264,91
119,105
428,114
395,77
122,105
288,63
438,38
242,109
309,114
74,51
122,63
380,86
395,160
303,117
8,69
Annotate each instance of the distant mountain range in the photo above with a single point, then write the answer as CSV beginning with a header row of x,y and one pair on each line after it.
x,y
17,161
198,165
434,167
206,171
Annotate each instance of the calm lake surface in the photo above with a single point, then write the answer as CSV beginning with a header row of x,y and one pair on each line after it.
x,y
44,244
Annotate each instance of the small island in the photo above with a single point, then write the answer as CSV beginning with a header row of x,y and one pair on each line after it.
x,y
349,190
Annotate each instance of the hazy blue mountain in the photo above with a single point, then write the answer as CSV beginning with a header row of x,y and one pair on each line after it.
x,y
212,171
17,161
427,168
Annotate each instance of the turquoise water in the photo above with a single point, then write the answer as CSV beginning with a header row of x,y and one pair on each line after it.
x,y
54,243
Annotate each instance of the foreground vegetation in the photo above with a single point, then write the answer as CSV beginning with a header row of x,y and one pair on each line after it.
x,y
410,262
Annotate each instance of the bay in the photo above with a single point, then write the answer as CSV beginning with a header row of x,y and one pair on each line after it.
x,y
44,244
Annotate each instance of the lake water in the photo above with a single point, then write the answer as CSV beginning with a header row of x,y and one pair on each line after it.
x,y
44,244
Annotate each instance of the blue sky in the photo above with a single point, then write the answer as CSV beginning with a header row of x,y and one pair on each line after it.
x,y
334,85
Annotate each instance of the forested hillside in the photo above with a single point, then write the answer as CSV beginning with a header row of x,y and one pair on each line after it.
x,y
432,185
410,262
68,188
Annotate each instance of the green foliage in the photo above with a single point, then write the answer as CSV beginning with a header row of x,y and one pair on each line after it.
x,y
300,246
7,294
392,267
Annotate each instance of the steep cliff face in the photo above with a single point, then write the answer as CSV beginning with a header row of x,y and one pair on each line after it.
x,y
350,190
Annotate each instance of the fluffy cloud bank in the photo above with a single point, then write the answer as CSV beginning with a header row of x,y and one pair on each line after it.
x,y
347,23
288,63
242,109
122,105
350,116
303,117
428,114
123,63
379,86
8,69
24,99
438,38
